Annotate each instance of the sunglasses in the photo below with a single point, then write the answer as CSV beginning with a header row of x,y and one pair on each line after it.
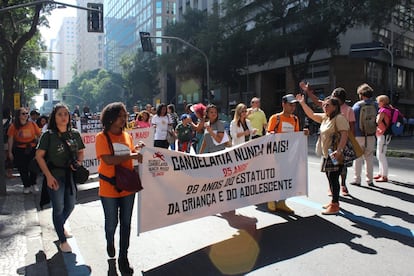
x,y
24,113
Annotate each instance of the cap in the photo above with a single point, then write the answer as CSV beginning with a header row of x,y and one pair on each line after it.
x,y
289,98
184,116
198,108
34,112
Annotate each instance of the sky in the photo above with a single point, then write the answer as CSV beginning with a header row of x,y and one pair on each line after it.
x,y
55,21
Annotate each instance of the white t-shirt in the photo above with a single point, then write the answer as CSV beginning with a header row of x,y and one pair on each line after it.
x,y
161,126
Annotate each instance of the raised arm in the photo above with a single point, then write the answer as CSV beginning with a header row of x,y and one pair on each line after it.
x,y
317,117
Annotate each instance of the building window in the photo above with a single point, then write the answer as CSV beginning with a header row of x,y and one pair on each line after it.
x,y
401,78
158,7
374,72
158,22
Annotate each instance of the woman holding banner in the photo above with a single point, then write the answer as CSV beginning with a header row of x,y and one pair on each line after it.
x,y
214,131
117,205
332,123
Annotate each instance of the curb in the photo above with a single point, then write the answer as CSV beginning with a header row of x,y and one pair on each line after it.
x,y
35,251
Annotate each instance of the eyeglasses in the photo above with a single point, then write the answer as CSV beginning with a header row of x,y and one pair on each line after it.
x,y
24,113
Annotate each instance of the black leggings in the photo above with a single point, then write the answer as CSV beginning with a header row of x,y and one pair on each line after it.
x,y
22,159
333,178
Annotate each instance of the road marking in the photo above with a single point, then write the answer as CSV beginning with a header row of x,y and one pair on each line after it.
x,y
373,222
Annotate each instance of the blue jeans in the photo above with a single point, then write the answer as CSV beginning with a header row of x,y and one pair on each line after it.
x,y
121,208
63,202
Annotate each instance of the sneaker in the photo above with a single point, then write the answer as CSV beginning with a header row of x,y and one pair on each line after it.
x,y
35,189
377,176
371,184
282,207
355,183
333,209
344,190
124,267
271,206
382,179
26,190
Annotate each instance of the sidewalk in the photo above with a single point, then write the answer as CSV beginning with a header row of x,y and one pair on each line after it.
x,y
20,231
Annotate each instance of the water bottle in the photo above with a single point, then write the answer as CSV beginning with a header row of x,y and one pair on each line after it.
x,y
334,161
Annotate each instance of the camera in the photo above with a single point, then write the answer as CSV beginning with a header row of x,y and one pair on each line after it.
x,y
73,147
75,163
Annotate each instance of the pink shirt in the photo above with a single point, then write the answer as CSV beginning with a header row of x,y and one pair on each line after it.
x,y
142,124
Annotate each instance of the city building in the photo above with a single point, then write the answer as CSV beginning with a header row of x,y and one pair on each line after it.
x,y
66,43
124,19
390,70
90,46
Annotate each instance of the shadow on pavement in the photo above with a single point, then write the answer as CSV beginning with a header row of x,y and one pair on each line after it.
x,y
252,249
379,229
380,210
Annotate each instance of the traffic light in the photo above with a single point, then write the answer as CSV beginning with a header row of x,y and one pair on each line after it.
x,y
145,41
95,18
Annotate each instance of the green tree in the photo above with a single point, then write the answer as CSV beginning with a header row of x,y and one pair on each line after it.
x,y
94,89
283,28
17,27
140,73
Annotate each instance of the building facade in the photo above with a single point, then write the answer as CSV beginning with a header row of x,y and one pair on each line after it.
x,y
90,46
66,44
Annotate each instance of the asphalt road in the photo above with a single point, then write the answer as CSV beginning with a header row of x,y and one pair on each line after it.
x,y
373,235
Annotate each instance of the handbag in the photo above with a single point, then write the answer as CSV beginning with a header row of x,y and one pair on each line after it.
x,y
81,175
351,151
125,179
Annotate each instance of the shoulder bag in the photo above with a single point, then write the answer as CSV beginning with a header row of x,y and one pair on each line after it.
x,y
124,179
352,149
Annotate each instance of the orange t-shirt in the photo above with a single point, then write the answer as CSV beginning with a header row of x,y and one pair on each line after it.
x,y
122,145
25,134
285,124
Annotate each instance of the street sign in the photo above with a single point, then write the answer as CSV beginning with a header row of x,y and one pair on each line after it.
x,y
362,50
49,84
16,102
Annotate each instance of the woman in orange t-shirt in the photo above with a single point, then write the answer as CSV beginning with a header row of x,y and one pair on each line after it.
x,y
23,135
117,205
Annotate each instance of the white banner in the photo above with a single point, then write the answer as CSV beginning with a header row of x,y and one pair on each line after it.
x,y
91,162
179,187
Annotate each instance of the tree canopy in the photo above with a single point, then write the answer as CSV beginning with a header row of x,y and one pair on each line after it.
x,y
20,46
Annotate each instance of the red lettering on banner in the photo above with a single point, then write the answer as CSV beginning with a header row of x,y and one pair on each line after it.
x,y
141,135
89,139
